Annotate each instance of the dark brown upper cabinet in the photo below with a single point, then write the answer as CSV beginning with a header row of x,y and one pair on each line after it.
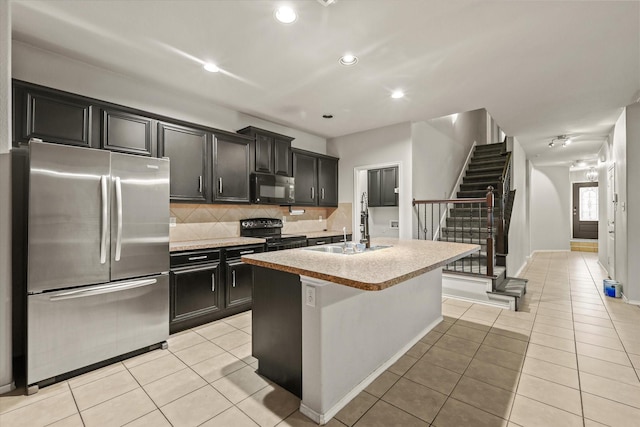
x,y
271,152
305,172
382,187
187,149
126,132
316,178
51,116
231,168
327,181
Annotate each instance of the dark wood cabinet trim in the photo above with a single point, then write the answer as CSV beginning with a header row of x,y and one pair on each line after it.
x,y
162,126
216,176
29,131
114,146
273,143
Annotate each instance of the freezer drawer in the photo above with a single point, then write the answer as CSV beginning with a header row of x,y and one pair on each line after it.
x,y
71,329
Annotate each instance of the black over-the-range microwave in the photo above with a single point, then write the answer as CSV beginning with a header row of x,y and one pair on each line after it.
x,y
270,189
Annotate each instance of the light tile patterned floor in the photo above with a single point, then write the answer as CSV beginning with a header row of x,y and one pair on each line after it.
x,y
570,357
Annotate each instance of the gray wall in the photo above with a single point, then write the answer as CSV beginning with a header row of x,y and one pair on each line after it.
x,y
519,235
6,377
631,286
550,199
440,147
42,67
368,149
619,160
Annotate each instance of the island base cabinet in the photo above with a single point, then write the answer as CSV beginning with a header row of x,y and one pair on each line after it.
x,y
277,327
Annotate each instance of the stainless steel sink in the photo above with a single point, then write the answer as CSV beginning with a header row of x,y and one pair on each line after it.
x,y
340,249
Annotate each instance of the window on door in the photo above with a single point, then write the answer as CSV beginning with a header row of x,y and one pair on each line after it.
x,y
585,210
588,203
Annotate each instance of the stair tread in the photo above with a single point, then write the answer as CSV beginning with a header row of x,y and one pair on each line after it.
x,y
482,176
484,168
498,155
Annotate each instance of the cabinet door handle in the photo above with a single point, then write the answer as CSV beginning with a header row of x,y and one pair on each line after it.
x,y
247,252
313,193
233,276
200,184
321,242
195,258
213,282
220,185
322,193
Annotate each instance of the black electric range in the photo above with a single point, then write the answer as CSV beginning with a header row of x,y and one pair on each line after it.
x,y
270,229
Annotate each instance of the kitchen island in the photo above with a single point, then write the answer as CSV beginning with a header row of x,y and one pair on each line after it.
x,y
325,325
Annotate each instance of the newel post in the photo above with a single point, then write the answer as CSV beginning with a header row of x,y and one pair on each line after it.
x,y
490,231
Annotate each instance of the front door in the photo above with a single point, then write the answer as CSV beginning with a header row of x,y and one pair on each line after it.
x,y
585,210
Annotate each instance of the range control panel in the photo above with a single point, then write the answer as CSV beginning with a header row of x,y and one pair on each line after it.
x,y
257,223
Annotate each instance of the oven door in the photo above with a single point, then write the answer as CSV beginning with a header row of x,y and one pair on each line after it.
x,y
272,189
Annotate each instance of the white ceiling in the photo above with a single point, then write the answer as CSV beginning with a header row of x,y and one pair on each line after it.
x,y
541,68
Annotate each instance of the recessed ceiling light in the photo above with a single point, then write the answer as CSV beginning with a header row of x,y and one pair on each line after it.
x,y
397,94
327,116
348,59
286,15
212,68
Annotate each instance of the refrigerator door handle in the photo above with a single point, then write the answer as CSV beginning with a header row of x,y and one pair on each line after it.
x,y
119,215
103,234
102,289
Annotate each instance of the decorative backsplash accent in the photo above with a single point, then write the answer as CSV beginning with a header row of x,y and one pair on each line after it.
x,y
206,221
341,217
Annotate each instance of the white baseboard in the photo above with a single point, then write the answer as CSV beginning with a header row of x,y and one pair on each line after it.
x,y
322,419
604,268
7,388
522,267
630,301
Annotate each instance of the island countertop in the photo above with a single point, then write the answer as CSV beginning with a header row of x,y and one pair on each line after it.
x,y
370,271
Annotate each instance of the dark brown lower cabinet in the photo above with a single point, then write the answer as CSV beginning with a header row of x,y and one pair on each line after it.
x,y
195,296
239,283
207,285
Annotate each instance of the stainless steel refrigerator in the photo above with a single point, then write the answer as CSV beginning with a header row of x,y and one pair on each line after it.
x,y
97,257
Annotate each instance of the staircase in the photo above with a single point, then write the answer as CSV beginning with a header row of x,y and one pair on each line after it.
x,y
489,166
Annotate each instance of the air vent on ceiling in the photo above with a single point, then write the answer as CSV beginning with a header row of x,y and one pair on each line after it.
x,y
326,3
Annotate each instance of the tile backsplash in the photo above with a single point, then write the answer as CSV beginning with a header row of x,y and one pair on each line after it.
x,y
206,221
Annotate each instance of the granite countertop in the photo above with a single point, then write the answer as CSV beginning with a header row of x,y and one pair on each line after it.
x,y
316,234
213,243
370,271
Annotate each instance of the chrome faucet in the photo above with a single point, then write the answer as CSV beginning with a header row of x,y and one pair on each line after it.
x,y
364,220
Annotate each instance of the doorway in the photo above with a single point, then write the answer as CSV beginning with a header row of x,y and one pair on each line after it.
x,y
383,221
585,210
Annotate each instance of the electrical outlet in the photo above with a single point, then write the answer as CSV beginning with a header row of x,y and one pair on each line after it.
x,y
172,221
311,296
320,218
